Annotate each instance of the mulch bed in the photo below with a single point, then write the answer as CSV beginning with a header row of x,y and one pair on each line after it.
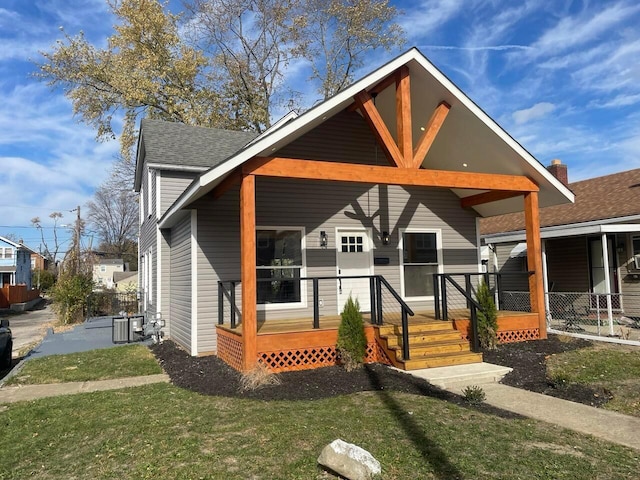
x,y
210,376
528,360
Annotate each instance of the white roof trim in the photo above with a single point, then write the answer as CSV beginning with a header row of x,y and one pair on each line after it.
x,y
210,179
565,231
181,168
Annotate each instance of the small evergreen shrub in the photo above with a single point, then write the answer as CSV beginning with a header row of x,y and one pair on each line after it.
x,y
352,341
474,395
487,318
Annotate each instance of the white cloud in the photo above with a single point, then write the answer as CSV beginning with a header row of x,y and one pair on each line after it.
x,y
537,111
430,15
581,29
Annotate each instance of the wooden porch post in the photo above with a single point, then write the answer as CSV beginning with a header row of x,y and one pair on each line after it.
x,y
534,259
248,271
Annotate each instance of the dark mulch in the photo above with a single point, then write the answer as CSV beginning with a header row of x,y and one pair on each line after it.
x,y
528,360
211,376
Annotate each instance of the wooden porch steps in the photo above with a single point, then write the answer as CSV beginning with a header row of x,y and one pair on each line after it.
x,y
431,344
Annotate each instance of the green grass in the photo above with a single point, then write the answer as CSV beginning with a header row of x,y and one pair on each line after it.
x,y
103,364
611,366
163,432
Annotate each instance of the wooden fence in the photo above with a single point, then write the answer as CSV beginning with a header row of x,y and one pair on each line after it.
x,y
10,294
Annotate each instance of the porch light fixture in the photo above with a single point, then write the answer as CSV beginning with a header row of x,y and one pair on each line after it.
x,y
385,238
324,240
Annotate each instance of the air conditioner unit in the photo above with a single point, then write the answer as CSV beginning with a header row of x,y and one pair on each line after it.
x,y
636,262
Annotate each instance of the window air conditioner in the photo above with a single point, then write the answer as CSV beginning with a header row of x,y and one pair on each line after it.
x,y
636,262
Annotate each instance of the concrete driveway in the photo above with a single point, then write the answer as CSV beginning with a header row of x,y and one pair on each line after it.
x,y
29,328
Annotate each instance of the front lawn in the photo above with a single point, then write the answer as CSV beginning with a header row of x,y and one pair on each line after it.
x,y
103,364
164,432
612,368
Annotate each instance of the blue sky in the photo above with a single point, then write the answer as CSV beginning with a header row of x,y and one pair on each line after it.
x,y
562,77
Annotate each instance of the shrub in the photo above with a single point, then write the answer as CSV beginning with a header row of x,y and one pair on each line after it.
x,y
487,318
474,394
45,278
352,341
258,377
69,296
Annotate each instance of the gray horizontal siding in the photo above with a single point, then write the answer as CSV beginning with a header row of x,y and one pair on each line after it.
x,y
325,206
172,185
180,284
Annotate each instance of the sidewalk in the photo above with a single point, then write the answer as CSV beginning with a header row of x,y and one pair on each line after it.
x,y
611,426
34,392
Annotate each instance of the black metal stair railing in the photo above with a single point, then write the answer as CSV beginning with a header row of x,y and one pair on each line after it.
x,y
378,286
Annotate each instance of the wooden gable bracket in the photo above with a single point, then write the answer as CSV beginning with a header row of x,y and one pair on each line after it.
x,y
431,130
364,101
487,197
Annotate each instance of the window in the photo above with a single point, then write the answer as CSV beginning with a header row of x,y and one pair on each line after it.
x,y
420,260
280,265
352,244
8,252
103,268
635,261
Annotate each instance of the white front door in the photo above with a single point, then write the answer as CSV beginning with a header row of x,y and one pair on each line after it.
x,y
353,258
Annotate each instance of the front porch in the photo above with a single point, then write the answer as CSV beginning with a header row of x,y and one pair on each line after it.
x,y
294,344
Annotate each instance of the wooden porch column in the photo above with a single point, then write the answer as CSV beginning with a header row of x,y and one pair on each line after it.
x,y
248,271
534,259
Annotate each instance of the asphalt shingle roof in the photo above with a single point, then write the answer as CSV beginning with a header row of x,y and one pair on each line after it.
x,y
172,143
610,196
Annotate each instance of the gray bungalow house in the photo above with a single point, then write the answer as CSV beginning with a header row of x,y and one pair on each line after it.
x,y
249,246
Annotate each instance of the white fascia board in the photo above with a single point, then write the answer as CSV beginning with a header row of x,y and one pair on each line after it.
x,y
179,168
564,231
497,129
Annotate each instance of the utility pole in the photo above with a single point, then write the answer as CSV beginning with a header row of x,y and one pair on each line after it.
x,y
78,240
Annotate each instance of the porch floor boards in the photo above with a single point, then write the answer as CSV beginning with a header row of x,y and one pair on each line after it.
x,y
332,322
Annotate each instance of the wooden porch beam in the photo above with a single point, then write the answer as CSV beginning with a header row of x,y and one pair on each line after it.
x,y
248,272
487,197
430,131
233,179
347,172
534,259
379,129
403,115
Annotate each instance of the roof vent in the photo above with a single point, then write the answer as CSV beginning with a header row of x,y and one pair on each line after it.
x,y
559,170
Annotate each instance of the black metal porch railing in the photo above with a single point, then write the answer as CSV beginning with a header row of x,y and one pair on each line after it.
x,y
440,281
382,296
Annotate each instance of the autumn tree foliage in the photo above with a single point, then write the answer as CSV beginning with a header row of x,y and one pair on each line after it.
x,y
221,63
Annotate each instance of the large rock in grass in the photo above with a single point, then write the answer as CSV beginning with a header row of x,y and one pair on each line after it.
x,y
349,460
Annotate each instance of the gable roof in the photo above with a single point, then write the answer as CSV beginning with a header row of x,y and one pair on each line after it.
x,y
615,196
178,146
19,246
110,261
120,276
468,141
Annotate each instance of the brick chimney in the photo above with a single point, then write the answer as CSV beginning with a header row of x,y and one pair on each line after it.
x,y
559,170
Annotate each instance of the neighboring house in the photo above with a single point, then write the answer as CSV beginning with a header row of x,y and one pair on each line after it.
x,y
104,269
591,246
125,282
39,262
15,263
380,186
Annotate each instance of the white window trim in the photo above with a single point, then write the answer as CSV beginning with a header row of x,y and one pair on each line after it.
x,y
149,192
438,233
303,272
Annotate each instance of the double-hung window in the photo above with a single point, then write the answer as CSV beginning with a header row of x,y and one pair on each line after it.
x,y
420,259
280,265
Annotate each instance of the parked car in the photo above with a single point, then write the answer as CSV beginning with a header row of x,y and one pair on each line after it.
x,y
6,344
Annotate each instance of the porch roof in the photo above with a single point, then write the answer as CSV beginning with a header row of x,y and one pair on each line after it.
x,y
469,140
604,201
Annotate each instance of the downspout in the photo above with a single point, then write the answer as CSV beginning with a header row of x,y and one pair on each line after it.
x,y
545,279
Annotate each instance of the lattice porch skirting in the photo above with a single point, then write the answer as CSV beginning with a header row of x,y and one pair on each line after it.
x,y
512,336
290,359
